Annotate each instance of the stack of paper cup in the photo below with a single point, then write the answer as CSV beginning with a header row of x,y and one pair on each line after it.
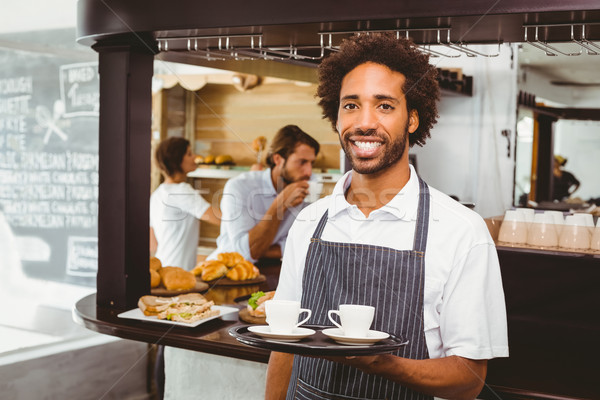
x,y
542,232
558,218
527,214
575,235
513,230
586,220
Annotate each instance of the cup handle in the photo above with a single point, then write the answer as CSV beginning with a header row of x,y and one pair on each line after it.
x,y
305,319
336,312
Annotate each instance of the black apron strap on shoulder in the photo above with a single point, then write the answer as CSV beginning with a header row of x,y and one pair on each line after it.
x,y
422,224
319,230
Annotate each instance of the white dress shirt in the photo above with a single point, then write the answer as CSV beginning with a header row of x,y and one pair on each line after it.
x,y
246,199
464,310
175,210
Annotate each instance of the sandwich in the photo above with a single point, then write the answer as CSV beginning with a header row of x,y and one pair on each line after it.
x,y
256,303
189,308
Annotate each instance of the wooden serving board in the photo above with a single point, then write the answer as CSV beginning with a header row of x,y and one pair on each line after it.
x,y
246,317
229,282
162,291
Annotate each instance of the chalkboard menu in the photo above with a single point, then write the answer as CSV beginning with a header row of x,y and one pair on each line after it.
x,y
49,109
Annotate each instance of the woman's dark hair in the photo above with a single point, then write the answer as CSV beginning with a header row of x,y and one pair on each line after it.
x,y
169,154
285,141
421,88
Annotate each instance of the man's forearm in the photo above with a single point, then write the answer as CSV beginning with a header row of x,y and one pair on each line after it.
x,y
261,236
279,372
449,377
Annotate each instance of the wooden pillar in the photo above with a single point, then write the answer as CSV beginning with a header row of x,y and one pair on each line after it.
x,y
545,157
124,182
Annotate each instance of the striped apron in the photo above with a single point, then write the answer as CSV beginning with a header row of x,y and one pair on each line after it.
x,y
390,280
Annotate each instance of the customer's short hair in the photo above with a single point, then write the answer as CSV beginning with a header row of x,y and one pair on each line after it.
x,y
286,140
169,155
421,88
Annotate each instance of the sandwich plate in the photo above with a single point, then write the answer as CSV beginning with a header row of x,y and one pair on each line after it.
x,y
136,313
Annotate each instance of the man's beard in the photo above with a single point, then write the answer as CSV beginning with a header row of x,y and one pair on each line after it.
x,y
393,153
287,177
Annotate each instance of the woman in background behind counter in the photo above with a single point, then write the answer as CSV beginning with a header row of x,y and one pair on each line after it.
x,y
176,207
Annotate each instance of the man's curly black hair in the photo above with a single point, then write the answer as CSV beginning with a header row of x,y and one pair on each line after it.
x,y
398,54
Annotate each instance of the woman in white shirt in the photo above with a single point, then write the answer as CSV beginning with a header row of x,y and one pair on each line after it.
x,y
176,208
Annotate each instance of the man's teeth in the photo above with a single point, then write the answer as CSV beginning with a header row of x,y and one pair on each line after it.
x,y
367,145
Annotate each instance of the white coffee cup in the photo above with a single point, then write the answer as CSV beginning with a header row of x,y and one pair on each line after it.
x,y
282,315
355,319
314,191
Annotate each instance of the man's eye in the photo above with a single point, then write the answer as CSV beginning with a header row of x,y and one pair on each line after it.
x,y
387,106
350,106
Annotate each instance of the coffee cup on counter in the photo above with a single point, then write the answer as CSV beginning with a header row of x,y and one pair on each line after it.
x,y
355,319
282,315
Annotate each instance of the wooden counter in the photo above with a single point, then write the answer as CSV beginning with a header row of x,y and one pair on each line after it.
x,y
210,337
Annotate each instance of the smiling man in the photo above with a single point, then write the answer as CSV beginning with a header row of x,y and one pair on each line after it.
x,y
385,238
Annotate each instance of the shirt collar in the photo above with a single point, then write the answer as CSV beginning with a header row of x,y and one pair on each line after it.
x,y
403,206
268,182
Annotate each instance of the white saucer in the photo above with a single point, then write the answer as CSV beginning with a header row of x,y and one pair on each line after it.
x,y
296,335
371,338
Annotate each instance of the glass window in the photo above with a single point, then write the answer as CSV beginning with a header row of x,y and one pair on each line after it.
x,y
49,104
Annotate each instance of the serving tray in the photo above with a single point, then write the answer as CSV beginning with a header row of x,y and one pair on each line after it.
x,y
317,344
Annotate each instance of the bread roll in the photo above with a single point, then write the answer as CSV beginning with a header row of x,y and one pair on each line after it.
x,y
155,263
175,278
213,271
223,159
154,278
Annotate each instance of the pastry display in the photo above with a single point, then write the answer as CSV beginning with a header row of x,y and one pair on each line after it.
x,y
228,268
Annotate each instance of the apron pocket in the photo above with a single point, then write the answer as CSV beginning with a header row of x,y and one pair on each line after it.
x,y
304,391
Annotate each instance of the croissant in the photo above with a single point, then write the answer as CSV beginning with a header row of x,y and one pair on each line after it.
x,y
243,271
175,278
200,267
213,271
230,259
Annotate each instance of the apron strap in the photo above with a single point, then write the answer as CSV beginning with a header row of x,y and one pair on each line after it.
x,y
422,224
319,230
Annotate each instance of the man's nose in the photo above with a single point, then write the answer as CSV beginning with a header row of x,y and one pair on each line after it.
x,y
307,170
366,119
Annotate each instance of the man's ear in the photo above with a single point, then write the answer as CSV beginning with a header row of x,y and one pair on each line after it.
x,y
278,160
413,121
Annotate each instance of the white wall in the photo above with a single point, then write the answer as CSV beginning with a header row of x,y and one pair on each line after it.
x,y
467,154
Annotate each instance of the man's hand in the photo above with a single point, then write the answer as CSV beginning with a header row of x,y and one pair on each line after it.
x,y
292,195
